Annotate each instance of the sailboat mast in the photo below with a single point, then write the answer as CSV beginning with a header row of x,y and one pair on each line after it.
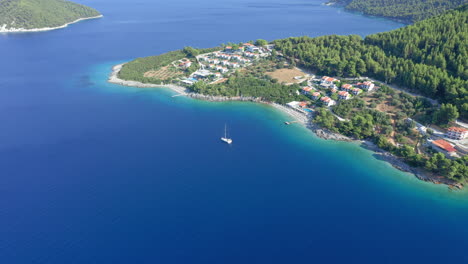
x,y
225,131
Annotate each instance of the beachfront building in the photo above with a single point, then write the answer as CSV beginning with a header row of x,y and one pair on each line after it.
x,y
306,90
457,133
444,147
316,95
327,101
343,95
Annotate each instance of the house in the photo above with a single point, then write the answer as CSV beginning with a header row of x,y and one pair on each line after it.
x,y
327,81
346,87
368,86
306,90
316,95
218,74
343,95
356,91
185,64
224,70
444,147
327,101
228,49
333,90
457,133
235,65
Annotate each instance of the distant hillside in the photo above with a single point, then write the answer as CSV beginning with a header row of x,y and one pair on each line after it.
x,y
33,14
429,57
404,10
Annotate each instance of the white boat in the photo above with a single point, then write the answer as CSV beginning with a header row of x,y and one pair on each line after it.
x,y
225,138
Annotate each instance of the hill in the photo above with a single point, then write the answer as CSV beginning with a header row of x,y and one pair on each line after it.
x,y
403,10
429,57
20,15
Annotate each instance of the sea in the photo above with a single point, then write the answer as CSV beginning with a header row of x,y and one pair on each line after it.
x,y
92,172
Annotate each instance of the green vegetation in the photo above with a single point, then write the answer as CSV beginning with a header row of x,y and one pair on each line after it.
x,y
403,10
30,14
249,86
136,69
428,57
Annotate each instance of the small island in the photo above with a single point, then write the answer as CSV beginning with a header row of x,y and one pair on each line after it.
x,y
41,15
392,92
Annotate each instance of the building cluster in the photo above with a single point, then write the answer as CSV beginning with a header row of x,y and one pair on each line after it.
x,y
344,92
219,63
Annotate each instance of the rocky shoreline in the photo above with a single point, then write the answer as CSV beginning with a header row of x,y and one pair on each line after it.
x,y
302,118
4,29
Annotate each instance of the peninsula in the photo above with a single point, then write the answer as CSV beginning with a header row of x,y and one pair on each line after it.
x,y
411,109
41,15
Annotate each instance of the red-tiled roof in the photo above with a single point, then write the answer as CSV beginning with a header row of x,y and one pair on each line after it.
x,y
343,93
444,145
303,104
346,86
458,129
325,99
307,89
316,94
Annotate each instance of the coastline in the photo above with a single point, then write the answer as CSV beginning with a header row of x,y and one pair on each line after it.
x,y
304,119
22,30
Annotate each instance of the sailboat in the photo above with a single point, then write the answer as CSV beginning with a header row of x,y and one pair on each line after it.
x,y
225,138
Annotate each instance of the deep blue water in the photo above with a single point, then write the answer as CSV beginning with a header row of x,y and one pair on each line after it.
x,y
97,173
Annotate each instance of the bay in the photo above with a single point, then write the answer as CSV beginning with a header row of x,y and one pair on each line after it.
x,y
92,172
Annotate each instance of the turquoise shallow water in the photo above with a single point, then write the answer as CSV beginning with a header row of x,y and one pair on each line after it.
x,y
93,172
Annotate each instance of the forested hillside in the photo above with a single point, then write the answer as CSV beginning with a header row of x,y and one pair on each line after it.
x,y
29,14
406,10
429,57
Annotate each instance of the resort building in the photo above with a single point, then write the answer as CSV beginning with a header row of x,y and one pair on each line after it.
x,y
346,87
343,95
327,101
185,64
307,90
457,133
368,86
328,81
356,91
316,95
